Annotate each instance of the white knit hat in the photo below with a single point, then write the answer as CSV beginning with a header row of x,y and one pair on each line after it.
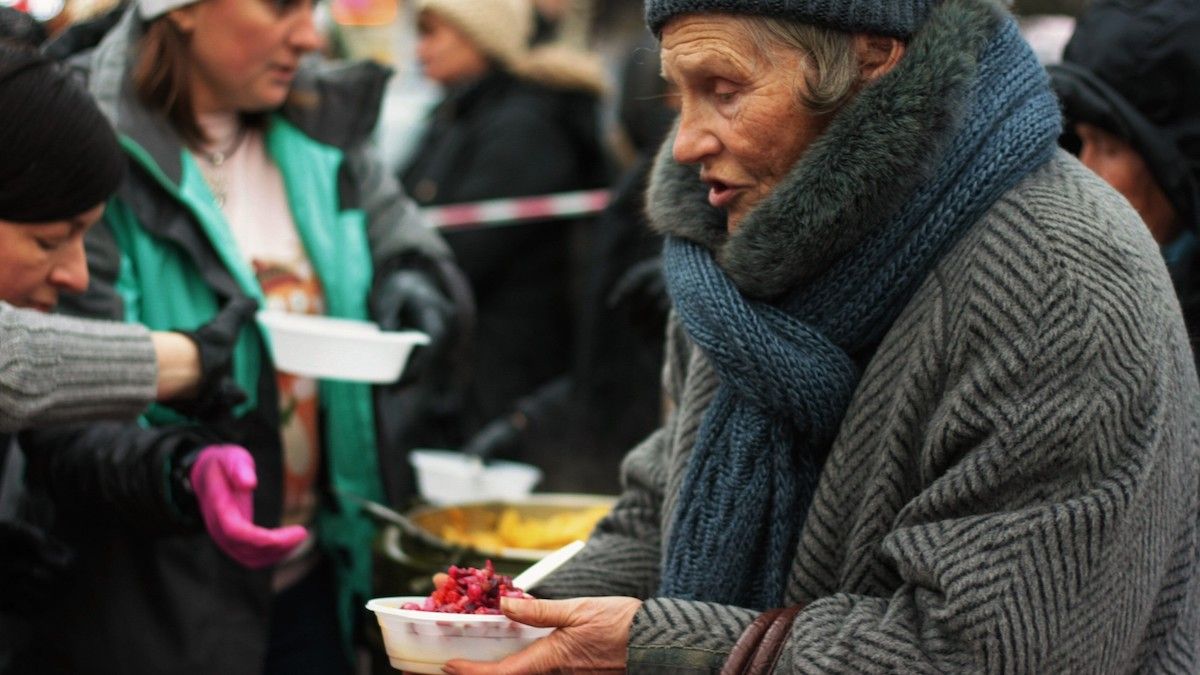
x,y
500,28
152,9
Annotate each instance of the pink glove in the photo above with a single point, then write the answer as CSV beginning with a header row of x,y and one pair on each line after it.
x,y
224,480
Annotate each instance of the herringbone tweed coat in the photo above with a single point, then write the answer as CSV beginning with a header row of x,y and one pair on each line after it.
x,y
1014,488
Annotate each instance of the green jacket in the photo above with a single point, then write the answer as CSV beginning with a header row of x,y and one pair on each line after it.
x,y
164,256
161,287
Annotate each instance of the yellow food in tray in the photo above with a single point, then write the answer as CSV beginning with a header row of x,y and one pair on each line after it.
x,y
528,532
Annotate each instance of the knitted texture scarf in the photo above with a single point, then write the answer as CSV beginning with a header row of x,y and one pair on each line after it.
x,y
784,322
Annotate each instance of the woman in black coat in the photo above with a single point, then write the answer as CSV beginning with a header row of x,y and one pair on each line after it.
x,y
514,122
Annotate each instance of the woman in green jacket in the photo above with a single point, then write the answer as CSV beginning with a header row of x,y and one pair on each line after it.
x,y
247,175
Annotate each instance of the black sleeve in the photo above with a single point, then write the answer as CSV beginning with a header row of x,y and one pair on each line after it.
x,y
116,472
519,153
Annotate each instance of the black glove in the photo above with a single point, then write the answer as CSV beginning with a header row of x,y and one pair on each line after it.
x,y
408,299
218,393
499,436
31,563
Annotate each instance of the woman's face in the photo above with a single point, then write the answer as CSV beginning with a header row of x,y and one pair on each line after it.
x,y
1121,166
39,260
446,54
741,119
244,53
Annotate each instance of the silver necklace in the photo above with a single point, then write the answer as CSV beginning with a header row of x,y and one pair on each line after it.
x,y
213,167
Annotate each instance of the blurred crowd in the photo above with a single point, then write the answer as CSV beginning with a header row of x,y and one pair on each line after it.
x,y
170,502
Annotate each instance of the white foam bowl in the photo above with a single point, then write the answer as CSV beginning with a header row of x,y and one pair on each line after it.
x,y
421,642
446,477
337,349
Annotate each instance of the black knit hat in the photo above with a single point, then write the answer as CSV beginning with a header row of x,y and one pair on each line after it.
x,y
1133,69
897,18
60,156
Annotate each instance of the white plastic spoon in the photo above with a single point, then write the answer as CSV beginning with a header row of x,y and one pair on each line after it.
x,y
542,568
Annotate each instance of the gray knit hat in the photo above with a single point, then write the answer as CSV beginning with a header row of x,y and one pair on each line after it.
x,y
897,18
152,9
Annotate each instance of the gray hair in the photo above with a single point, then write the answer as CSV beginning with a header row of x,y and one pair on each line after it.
x,y
832,75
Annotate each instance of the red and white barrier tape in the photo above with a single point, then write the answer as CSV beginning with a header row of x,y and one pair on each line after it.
x,y
496,212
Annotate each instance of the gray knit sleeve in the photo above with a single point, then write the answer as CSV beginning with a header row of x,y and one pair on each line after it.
x,y
56,369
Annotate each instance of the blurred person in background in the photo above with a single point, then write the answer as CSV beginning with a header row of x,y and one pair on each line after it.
x,y
1129,84
248,175
56,370
612,397
931,399
625,306
514,122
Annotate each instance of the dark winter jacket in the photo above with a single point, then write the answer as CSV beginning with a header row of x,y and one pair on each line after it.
x,y
170,601
619,350
614,394
618,367
53,370
504,136
1133,69
611,398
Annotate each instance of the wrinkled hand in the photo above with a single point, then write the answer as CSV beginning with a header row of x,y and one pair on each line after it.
x,y
409,299
30,566
592,637
218,392
224,479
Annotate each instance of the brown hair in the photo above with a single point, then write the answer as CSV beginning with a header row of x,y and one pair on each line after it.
x,y
162,81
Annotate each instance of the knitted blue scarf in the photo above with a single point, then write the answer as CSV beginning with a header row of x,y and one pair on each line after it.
x,y
785,365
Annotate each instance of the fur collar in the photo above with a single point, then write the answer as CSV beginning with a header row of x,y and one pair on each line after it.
x,y
873,156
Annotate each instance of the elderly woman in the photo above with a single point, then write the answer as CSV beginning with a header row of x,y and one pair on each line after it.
x,y
932,403
249,174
